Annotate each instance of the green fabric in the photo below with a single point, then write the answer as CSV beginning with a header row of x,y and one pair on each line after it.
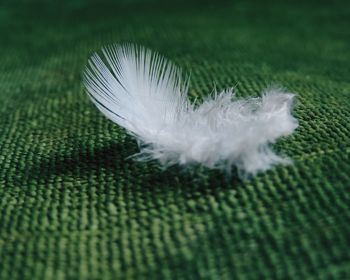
x,y
72,206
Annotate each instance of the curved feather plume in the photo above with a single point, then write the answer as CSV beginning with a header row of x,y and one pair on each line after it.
x,y
146,94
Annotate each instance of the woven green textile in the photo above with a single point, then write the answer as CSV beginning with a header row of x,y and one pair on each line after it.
x,y
72,206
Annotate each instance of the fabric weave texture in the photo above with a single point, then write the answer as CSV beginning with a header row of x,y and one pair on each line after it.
x,y
73,206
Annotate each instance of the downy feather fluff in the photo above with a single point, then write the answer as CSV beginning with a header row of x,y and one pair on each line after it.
x,y
147,95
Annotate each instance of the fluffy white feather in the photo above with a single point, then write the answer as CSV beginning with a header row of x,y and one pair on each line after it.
x,y
146,94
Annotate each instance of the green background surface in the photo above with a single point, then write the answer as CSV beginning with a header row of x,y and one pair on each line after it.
x,y
73,207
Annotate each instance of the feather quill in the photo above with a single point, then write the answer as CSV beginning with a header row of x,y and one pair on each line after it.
x,y
147,95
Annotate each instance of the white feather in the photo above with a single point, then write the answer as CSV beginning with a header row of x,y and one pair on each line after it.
x,y
146,94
